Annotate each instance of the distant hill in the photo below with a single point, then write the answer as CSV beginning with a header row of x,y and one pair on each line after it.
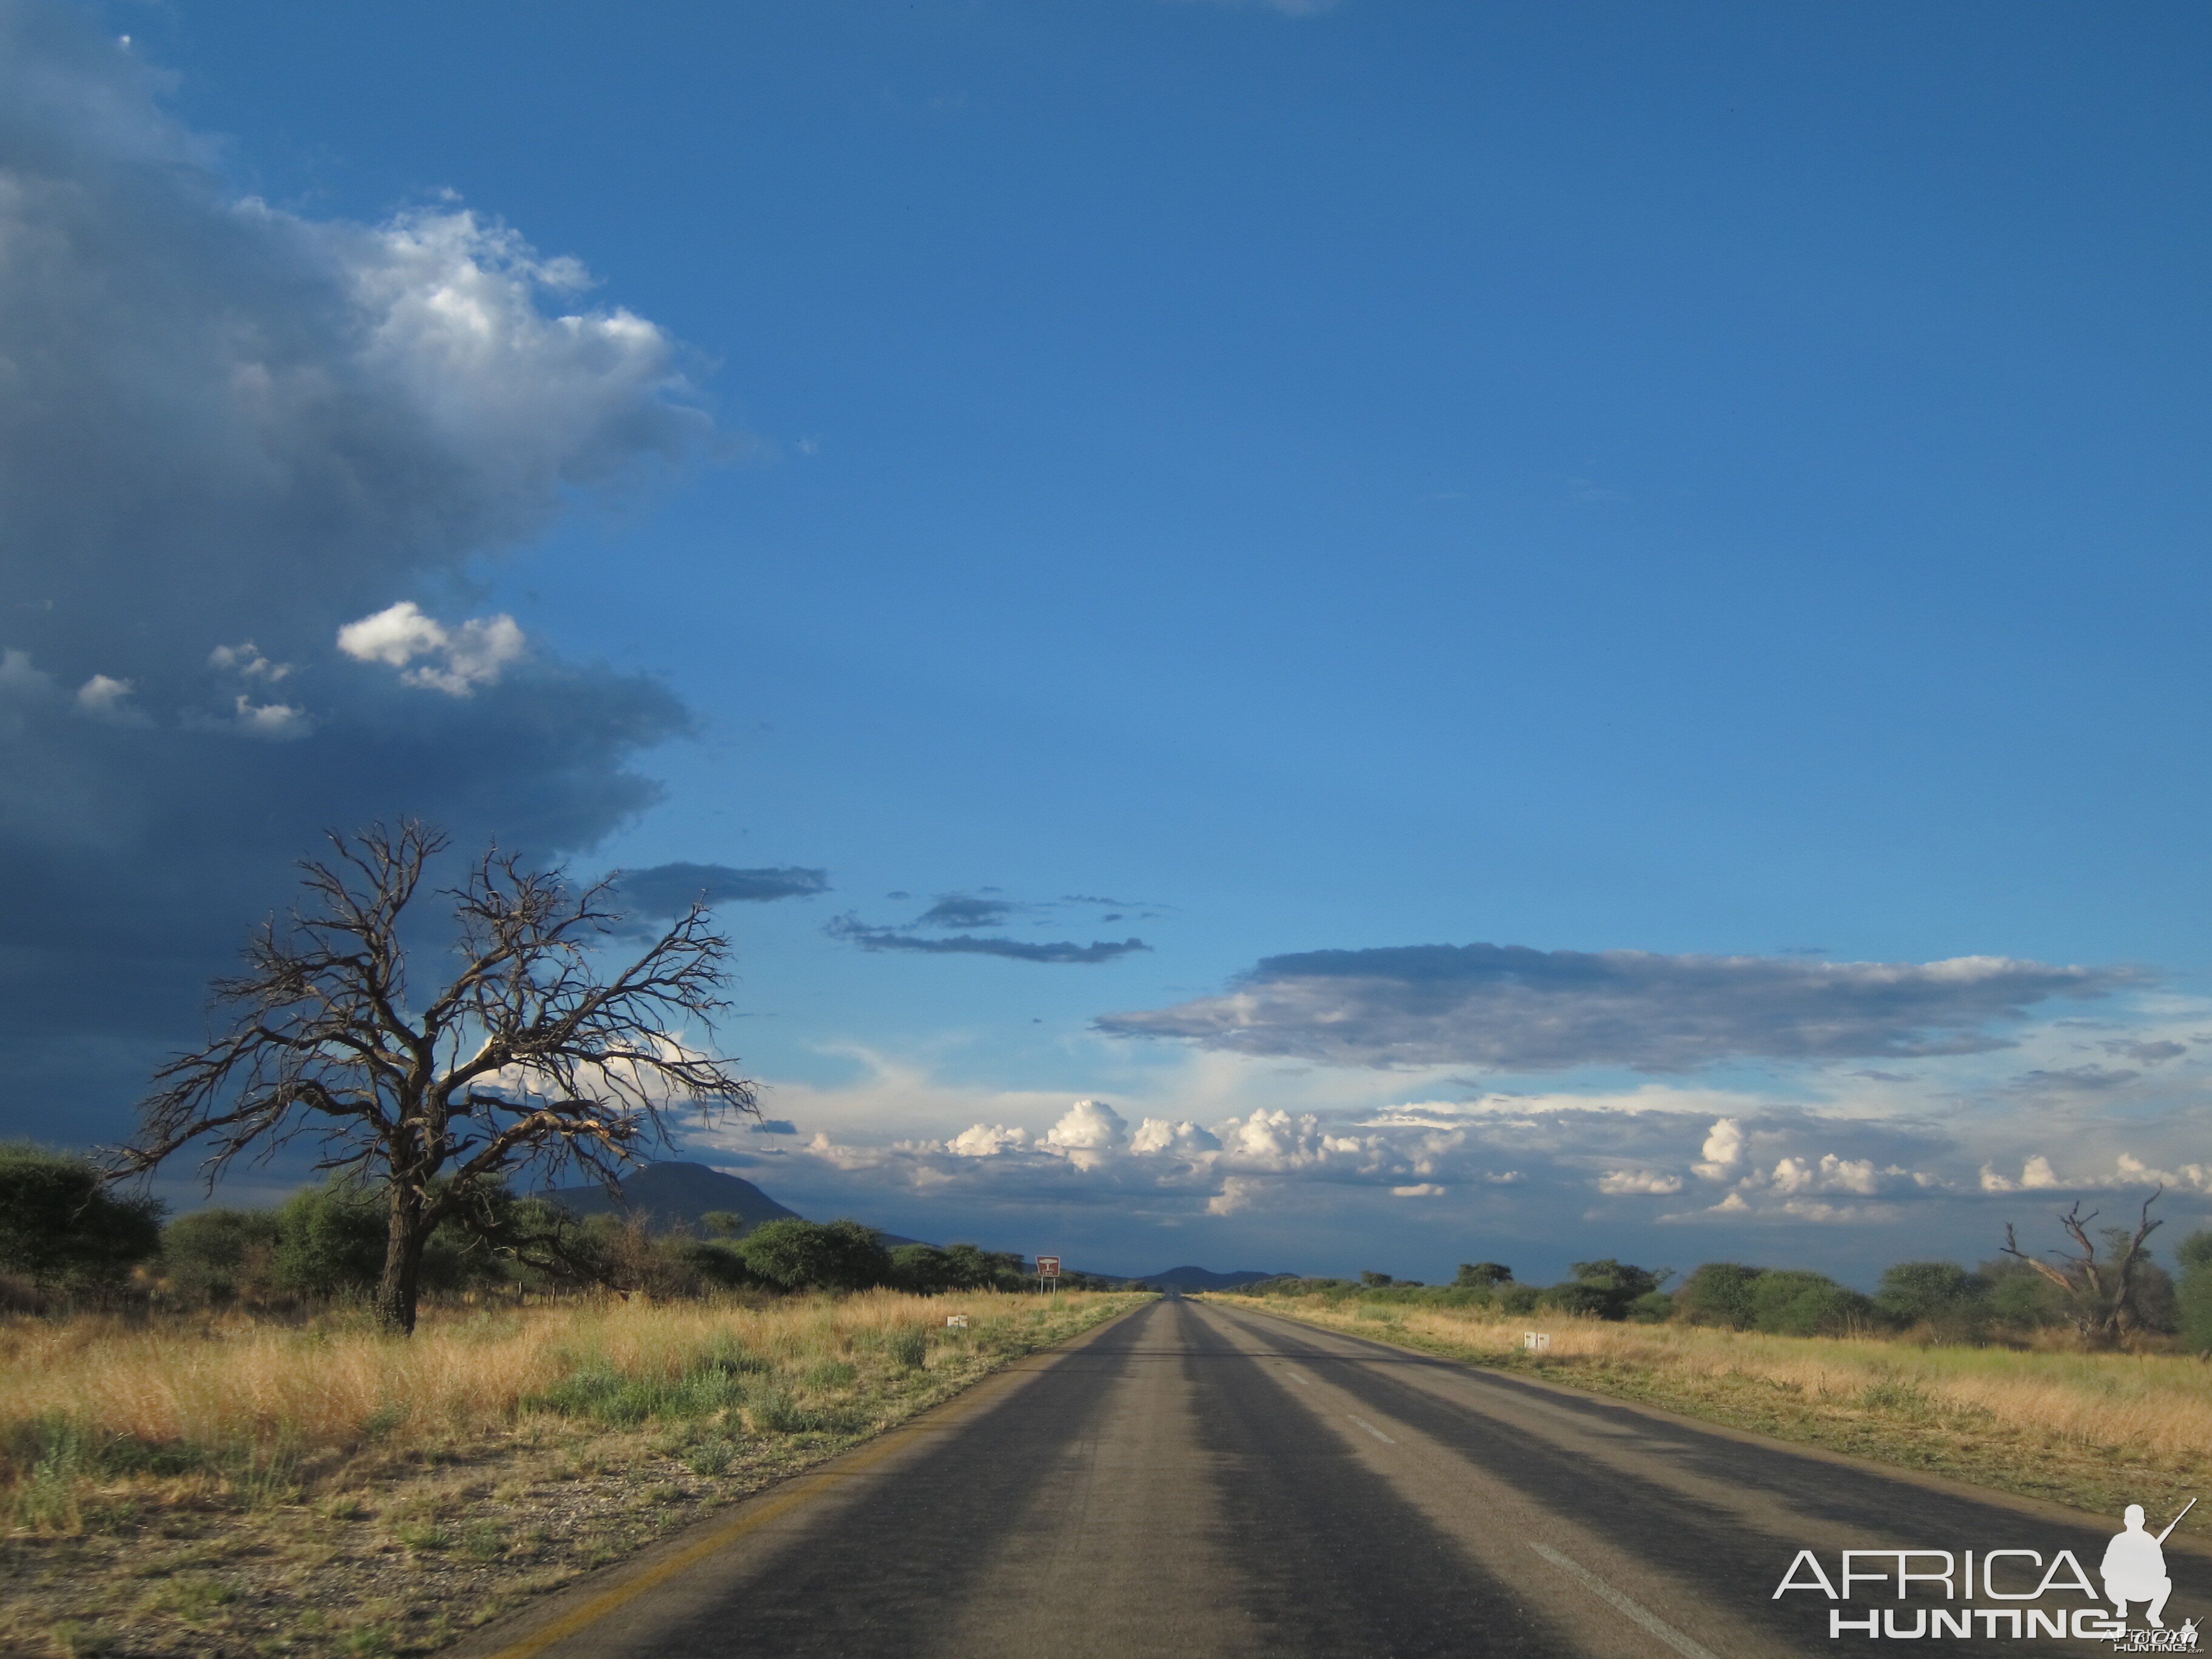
x,y
1202,1279
674,1194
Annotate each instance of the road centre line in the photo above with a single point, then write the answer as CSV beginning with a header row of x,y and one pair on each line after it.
x,y
1597,1587
1372,1430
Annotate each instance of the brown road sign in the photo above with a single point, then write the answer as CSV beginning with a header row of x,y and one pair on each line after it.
x,y
1048,1267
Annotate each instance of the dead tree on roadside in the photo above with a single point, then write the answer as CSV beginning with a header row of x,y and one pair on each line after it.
x,y
2102,1290
529,1056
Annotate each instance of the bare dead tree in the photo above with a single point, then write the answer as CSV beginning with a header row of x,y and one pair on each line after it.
x,y
531,1056
2101,1288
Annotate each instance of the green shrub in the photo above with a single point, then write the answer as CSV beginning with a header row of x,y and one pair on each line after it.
x,y
775,1410
329,1240
2022,1299
61,1228
1940,1295
215,1256
1788,1303
1603,1289
812,1256
2193,1294
710,1457
1718,1293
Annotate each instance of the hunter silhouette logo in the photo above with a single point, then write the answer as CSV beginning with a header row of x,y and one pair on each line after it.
x,y
1994,1583
2134,1568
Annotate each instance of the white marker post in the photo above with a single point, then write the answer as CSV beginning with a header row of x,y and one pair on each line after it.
x,y
1048,1273
1536,1342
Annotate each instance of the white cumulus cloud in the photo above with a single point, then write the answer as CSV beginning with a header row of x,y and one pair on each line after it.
x,y
1724,1149
988,1141
104,697
454,660
1618,1181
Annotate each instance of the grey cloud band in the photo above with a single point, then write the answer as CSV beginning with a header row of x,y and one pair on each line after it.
x,y
1511,1008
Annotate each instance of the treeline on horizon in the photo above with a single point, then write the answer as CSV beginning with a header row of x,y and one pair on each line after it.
x,y
2003,1301
66,1240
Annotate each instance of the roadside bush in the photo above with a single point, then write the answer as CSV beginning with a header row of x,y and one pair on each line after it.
x,y
1787,1302
330,1241
1718,1293
1604,1289
2021,1299
813,1255
2193,1294
220,1255
2158,1302
60,1226
1952,1303
926,1270
1517,1299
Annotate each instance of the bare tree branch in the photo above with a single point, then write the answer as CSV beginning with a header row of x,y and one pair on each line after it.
x,y
529,1055
2101,1288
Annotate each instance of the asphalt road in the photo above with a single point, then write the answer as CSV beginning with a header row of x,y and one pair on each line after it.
x,y
1194,1481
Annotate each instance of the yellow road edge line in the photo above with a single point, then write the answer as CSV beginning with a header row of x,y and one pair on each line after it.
x,y
580,1619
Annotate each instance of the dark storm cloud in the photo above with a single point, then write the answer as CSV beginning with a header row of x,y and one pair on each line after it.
x,y
669,890
1516,1009
227,434
855,931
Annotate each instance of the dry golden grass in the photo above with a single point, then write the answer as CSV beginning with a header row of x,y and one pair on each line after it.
x,y
227,1486
230,1393
2075,1427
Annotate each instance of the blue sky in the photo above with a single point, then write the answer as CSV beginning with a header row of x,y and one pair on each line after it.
x,y
1256,480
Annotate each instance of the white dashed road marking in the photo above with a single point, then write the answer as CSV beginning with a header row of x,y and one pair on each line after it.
x,y
1605,1592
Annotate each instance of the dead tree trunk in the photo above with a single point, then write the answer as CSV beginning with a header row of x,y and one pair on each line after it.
x,y
540,1054
400,1289
2103,1291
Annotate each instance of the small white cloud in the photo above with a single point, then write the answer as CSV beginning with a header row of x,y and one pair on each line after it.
x,y
1156,1135
1733,1204
1724,1149
1425,1190
279,721
1831,1175
246,659
2037,1174
1089,1125
986,1140
19,678
1090,1134
455,661
1618,1181
1236,1193
1848,1175
396,635
2134,1172
106,699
